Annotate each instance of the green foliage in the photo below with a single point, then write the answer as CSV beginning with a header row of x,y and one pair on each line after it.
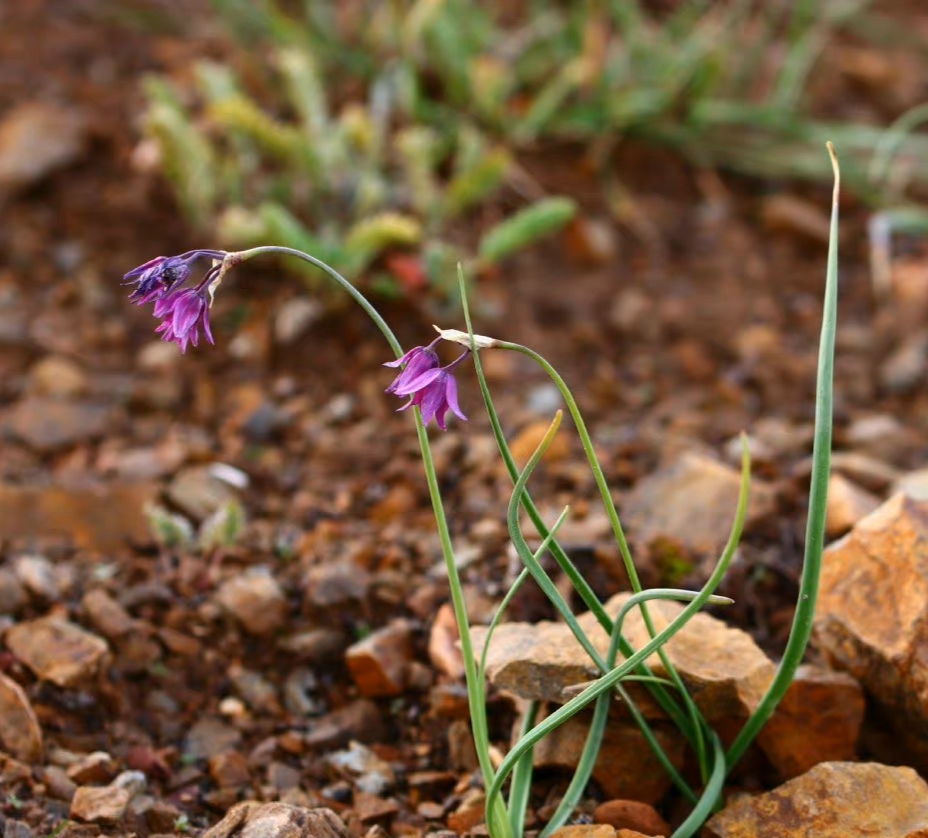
x,y
351,168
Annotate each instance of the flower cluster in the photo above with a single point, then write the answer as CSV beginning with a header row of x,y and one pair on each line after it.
x,y
431,387
182,312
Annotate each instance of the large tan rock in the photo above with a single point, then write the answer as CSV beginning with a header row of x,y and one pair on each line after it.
x,y
691,501
722,666
872,617
833,800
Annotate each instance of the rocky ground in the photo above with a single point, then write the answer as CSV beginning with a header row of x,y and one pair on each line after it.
x,y
150,686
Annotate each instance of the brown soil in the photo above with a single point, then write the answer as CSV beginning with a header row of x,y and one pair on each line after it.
x,y
705,322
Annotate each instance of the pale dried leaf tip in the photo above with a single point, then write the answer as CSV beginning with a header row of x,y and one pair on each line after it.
x,y
457,336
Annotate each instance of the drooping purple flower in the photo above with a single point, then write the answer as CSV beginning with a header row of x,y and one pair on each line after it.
x,y
417,361
162,274
183,313
434,392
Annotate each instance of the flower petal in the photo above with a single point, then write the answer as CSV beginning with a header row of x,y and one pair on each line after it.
x,y
451,396
406,388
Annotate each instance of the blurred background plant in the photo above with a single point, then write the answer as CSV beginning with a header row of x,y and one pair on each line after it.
x,y
366,130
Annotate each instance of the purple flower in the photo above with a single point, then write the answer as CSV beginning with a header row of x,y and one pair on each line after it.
x,y
417,361
182,314
158,276
434,390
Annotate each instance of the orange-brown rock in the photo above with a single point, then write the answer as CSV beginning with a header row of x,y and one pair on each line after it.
x,y
848,503
872,616
818,720
585,830
631,814
626,767
530,437
380,662
99,804
833,800
20,734
57,650
255,600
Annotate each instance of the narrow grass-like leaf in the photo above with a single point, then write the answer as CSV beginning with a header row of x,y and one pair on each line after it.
x,y
801,629
661,695
608,682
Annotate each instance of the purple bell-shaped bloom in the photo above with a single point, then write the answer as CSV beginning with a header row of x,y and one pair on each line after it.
x,y
160,275
183,314
417,361
432,389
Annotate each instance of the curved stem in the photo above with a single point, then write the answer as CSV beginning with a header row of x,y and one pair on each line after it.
x,y
233,259
498,817
695,725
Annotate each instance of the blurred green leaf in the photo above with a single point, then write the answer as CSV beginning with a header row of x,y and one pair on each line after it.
x,y
526,227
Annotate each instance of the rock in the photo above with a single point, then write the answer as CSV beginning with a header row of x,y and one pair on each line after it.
x,y
692,502
847,504
905,368
626,766
631,814
294,317
48,425
914,484
20,733
16,829
373,809
35,139
792,214
470,812
198,492
107,615
210,737
256,690
586,830
38,576
58,376
873,605
317,646
723,667
359,721
525,442
12,595
379,663
101,517
94,768
277,820
302,693
96,804
255,600
591,240
833,800
444,652
818,720
335,586
229,770
368,771
57,650
869,472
